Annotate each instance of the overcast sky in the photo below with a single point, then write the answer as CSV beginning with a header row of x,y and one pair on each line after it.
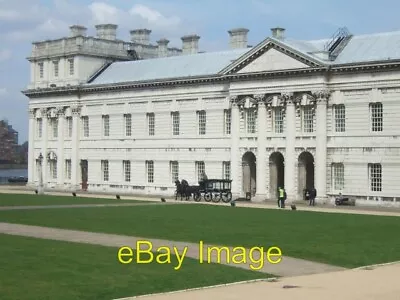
x,y
24,21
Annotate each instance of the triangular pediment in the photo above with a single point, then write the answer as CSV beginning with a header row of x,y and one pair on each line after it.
x,y
271,55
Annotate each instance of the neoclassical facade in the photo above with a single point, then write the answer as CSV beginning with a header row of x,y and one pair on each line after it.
x,y
285,113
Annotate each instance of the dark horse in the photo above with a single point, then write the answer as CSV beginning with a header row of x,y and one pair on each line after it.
x,y
184,189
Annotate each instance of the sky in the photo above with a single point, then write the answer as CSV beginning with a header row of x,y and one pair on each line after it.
x,y
25,21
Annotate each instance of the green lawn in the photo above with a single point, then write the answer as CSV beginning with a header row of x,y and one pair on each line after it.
x,y
30,200
33,269
339,239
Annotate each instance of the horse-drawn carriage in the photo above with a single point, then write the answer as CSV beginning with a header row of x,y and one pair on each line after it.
x,y
213,190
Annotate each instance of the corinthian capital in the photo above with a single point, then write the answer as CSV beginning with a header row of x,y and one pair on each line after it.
x,y
321,95
32,113
60,111
287,97
234,100
260,98
76,110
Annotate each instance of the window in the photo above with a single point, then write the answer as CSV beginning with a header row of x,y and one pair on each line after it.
x,y
54,127
376,111
340,118
106,125
278,120
337,176
41,70
68,168
226,170
375,177
150,171
69,126
202,120
55,64
251,117
308,119
71,66
174,165
151,123
200,170
39,124
175,123
105,170
127,170
85,122
53,168
128,124
227,121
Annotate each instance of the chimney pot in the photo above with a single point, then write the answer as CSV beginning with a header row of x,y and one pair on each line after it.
x,y
278,33
78,30
140,36
190,44
162,47
107,31
238,38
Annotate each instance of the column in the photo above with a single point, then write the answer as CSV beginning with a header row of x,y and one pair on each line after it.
x,y
31,148
60,148
321,143
290,153
261,193
75,180
45,137
235,138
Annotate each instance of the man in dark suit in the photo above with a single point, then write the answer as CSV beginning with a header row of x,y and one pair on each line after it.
x,y
313,195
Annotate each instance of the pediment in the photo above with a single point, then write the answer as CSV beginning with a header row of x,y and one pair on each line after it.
x,y
271,55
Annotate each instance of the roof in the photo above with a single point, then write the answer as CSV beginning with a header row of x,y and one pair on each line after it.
x,y
359,49
193,65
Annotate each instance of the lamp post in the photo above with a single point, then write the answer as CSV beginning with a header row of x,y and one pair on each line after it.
x,y
40,189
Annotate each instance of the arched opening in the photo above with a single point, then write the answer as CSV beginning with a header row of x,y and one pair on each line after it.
x,y
276,173
249,173
305,172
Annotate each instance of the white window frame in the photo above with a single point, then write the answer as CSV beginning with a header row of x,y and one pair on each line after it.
x,y
53,168
337,176
68,169
339,113
126,165
128,124
202,122
175,120
151,124
375,177
41,69
200,167
85,126
227,121
174,170
69,126
251,120
376,116
39,126
226,170
106,125
54,127
56,69
150,171
105,170
279,120
71,65
308,113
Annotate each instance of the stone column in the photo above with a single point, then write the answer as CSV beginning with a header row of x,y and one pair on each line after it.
x,y
290,159
60,148
235,153
321,143
75,180
31,148
45,163
261,193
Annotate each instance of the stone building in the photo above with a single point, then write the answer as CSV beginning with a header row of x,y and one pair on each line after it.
x,y
8,142
285,112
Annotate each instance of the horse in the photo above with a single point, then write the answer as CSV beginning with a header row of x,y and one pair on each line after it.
x,y
179,189
189,190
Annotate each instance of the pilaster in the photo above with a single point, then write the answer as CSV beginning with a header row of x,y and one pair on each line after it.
x,y
45,137
31,147
321,97
60,147
290,161
235,138
261,192
75,180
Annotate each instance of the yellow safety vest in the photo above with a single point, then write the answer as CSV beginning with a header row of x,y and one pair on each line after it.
x,y
281,193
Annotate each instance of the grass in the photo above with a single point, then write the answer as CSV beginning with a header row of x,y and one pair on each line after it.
x,y
36,200
34,269
338,239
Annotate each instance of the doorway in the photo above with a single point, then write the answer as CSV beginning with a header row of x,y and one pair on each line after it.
x,y
249,173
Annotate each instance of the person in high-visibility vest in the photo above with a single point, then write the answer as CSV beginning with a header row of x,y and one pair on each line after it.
x,y
281,197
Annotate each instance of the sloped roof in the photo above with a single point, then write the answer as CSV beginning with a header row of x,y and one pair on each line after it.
x,y
360,49
201,64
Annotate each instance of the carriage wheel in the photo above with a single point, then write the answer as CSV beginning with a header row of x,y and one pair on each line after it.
x,y
216,198
197,197
227,197
208,196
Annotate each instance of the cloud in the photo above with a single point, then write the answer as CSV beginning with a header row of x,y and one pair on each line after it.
x,y
154,17
5,54
104,13
3,91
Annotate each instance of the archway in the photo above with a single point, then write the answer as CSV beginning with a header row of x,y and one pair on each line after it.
x,y
276,173
305,172
249,173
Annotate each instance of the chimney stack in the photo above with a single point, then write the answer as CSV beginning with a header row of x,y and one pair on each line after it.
x,y
278,33
238,38
78,30
140,36
163,47
107,31
190,44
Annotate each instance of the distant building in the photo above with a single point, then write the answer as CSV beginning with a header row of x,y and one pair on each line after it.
x,y
291,113
8,142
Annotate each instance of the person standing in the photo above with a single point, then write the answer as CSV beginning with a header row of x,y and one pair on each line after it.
x,y
281,197
313,195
